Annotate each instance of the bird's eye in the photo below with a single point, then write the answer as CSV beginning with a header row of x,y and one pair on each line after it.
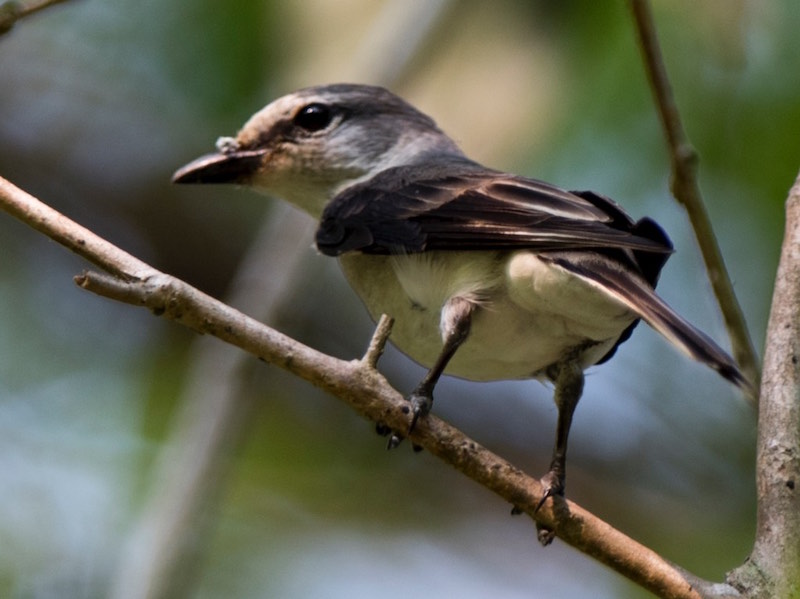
x,y
313,117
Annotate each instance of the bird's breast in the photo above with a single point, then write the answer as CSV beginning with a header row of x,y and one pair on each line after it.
x,y
528,315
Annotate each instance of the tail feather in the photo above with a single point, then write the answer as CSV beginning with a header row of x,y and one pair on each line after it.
x,y
640,298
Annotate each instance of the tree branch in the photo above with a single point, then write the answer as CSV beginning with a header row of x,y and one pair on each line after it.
x,y
686,190
356,382
774,566
164,547
12,11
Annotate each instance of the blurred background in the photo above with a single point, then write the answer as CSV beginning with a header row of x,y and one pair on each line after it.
x,y
133,452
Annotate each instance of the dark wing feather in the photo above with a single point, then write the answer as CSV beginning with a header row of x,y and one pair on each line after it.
x,y
640,298
466,207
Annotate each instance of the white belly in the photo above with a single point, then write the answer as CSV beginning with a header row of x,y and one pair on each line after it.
x,y
530,314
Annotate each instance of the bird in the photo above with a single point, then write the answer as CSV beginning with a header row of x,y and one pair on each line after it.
x,y
487,275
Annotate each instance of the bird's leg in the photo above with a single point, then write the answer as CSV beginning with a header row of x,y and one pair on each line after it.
x,y
568,379
455,324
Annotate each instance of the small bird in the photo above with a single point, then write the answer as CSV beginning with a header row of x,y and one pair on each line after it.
x,y
488,275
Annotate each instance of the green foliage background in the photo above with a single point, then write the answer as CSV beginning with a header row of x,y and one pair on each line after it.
x,y
102,101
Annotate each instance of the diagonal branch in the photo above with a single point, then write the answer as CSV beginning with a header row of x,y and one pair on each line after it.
x,y
357,383
686,189
12,11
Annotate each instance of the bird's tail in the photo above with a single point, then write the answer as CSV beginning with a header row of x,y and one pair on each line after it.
x,y
641,299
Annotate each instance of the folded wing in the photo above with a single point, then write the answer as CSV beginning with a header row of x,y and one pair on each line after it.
x,y
416,209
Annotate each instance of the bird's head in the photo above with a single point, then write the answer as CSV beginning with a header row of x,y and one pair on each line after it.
x,y
307,146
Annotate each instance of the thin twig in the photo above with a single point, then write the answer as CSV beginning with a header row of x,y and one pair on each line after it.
x,y
686,189
71,235
355,382
12,11
34,7
378,342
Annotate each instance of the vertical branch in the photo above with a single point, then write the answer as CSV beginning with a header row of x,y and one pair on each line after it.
x,y
776,555
686,190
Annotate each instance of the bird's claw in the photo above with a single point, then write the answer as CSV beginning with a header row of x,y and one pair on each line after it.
x,y
545,535
394,441
420,406
384,431
553,485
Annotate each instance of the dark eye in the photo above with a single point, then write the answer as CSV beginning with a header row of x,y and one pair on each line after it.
x,y
313,117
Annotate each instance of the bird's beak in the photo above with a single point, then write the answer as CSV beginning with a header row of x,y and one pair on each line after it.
x,y
228,167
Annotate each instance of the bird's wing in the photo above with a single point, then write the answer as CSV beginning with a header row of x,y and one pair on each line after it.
x,y
639,297
416,209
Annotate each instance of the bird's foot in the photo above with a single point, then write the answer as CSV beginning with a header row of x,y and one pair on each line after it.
x,y
385,431
553,484
394,441
421,404
544,534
